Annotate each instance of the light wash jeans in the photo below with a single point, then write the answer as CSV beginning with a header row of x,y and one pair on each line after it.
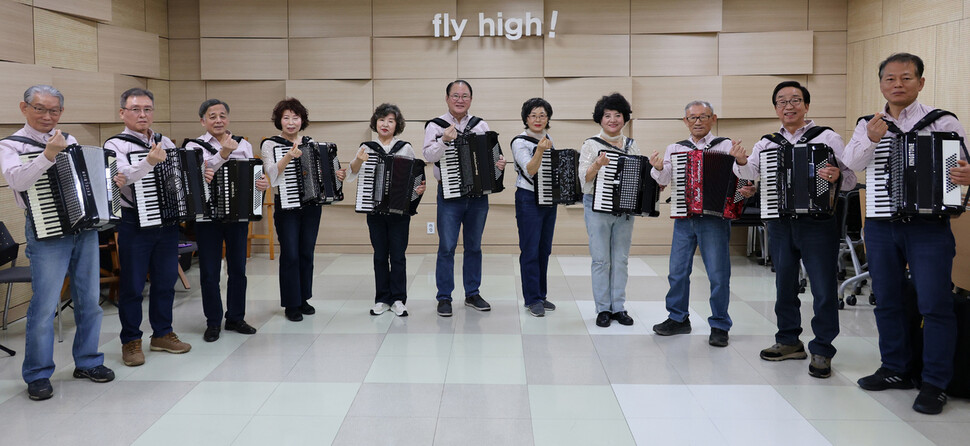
x,y
712,234
610,237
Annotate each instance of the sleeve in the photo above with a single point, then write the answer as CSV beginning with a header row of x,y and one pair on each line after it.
x,y
212,160
522,152
269,163
20,176
860,151
351,176
663,176
586,157
433,148
752,170
132,172
834,140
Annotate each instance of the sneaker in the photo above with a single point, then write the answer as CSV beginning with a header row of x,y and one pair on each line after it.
x,y
40,389
379,308
131,353
477,303
549,306
820,367
168,343
781,352
537,309
444,308
211,334
399,309
293,314
622,317
671,327
240,327
306,308
99,374
718,337
885,379
604,318
930,400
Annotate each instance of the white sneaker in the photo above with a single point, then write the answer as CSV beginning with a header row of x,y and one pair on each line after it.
x,y
379,308
399,309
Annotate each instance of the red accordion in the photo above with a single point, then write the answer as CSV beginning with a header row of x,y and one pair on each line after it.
x,y
703,183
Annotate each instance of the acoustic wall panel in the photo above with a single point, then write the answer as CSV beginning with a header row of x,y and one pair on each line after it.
x,y
686,16
502,98
415,58
334,100
185,98
99,10
750,96
127,51
864,20
63,41
156,17
572,55
828,15
673,55
88,97
16,32
419,99
749,131
185,59
915,14
330,58
570,134
656,134
575,98
163,106
128,14
248,100
952,68
764,15
242,18
782,52
329,18
499,58
244,59
829,55
854,83
397,18
578,17
828,96
15,78
665,97
183,19
164,69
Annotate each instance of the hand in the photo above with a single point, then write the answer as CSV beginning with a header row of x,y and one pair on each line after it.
x,y
601,161
500,163
544,144
228,145
262,184
749,190
876,128
829,173
156,155
120,180
341,174
362,156
450,134
737,151
960,174
657,161
420,189
209,174
294,152
55,145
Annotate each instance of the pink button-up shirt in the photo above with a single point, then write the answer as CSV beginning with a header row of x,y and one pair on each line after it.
x,y
663,176
21,176
434,147
214,160
137,171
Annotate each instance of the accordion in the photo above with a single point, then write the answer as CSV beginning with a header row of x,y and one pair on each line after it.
x,y
703,183
910,176
172,192
77,193
386,185
232,196
468,167
624,186
557,180
790,184
311,178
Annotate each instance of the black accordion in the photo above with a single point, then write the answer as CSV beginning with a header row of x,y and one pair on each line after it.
x,y
624,186
557,180
468,167
75,194
910,176
232,195
386,185
703,183
310,179
172,192
790,185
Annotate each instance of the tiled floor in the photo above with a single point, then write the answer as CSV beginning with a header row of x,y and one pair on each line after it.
x,y
344,377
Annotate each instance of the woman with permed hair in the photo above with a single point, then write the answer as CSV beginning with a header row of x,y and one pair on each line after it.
x,y
610,235
388,232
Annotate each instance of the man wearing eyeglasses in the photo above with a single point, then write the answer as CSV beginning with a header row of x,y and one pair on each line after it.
x,y
812,240
712,233
470,212
74,255
143,252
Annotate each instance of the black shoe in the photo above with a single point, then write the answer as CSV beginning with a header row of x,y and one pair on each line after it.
x,y
604,318
306,308
99,374
240,327
477,303
623,318
40,389
885,379
444,308
546,305
293,314
671,327
930,400
211,334
718,338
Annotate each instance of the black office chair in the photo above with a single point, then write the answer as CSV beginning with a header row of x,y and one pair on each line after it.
x,y
9,250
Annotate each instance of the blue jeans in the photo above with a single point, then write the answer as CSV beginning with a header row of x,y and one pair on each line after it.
x,y
928,246
452,214
816,243
712,234
210,238
389,237
297,231
536,226
610,237
50,260
142,252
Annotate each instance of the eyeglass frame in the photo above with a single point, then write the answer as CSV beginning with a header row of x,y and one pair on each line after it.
x,y
783,103
138,111
701,118
456,96
53,112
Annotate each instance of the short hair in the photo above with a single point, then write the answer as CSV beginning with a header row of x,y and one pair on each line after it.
x,y
531,104
33,91
209,103
903,58
459,81
138,92
291,104
388,109
693,103
806,96
615,102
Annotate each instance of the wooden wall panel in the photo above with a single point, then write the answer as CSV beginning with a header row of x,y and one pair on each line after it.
x,y
419,99
248,100
915,14
673,55
585,17
396,18
184,59
183,19
499,58
88,97
415,58
253,131
86,134
16,32
587,55
890,17
163,106
864,20
62,41
334,100
828,96
242,18
156,17
330,58
961,263
854,84
665,97
243,59
921,42
575,98
329,18
749,131
750,96
687,16
185,98
502,98
127,51
164,70
656,134
782,52
829,55
570,134
953,69
347,136
764,15
121,83
15,78
828,15
128,14
99,10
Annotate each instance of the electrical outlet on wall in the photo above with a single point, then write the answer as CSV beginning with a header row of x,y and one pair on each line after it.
x,y
430,227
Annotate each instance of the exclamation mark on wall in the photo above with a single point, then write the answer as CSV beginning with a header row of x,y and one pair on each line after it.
x,y
552,24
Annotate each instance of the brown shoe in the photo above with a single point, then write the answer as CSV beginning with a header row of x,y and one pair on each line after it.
x,y
169,343
131,353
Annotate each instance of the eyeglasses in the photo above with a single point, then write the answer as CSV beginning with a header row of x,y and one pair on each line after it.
x,y
54,112
138,111
701,118
463,97
538,117
795,102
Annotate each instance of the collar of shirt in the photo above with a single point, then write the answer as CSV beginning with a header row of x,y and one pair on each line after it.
x,y
37,135
389,146
908,116
798,133
459,123
140,136
703,143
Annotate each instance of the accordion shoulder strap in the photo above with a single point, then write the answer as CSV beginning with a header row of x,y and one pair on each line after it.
x,y
687,143
534,142
130,138
717,141
809,135
208,147
625,149
439,122
376,147
25,140
277,139
930,118
398,146
472,122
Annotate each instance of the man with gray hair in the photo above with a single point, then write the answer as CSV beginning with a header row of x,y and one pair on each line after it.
x,y
73,255
712,233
